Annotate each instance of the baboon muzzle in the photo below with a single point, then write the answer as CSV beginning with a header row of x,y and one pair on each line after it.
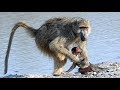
x,y
83,37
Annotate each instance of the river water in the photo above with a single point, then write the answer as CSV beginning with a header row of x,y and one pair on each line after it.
x,y
25,58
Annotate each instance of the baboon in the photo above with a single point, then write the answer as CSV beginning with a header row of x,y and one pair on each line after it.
x,y
54,37
78,53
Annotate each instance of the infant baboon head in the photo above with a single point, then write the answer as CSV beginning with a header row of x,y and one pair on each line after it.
x,y
76,50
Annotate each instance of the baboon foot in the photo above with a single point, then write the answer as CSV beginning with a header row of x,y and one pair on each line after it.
x,y
58,72
85,70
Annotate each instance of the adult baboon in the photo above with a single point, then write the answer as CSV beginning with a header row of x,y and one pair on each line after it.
x,y
54,37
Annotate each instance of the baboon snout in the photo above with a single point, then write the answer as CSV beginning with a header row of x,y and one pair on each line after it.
x,y
83,36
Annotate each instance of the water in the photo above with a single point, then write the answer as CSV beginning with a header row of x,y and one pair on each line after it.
x,y
25,58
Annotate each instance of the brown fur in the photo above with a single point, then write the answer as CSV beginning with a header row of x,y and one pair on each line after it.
x,y
54,37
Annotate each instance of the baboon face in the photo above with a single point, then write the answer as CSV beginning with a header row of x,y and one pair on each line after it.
x,y
82,29
76,50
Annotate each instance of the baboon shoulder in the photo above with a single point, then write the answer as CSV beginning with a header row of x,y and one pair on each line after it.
x,y
58,20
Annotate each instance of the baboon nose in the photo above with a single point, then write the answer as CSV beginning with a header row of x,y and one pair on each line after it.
x,y
83,38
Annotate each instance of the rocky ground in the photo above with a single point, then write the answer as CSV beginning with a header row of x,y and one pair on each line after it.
x,y
111,70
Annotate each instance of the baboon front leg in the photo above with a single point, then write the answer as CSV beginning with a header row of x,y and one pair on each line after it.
x,y
58,47
59,63
84,63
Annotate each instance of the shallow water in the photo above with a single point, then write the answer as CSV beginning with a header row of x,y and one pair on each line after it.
x,y
103,43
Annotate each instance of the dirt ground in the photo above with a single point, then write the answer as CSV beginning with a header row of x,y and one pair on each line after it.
x,y
111,70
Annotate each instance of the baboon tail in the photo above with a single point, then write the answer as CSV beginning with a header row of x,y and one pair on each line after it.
x,y
31,30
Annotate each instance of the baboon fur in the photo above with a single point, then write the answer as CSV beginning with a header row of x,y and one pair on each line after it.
x,y
54,37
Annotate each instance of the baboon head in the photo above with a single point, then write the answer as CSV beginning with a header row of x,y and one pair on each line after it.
x,y
76,50
82,28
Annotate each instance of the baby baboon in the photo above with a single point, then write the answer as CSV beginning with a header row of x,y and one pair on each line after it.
x,y
78,53
54,37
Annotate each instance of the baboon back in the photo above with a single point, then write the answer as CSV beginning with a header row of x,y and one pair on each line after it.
x,y
51,29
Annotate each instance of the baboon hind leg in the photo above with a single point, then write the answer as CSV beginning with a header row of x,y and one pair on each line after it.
x,y
59,63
